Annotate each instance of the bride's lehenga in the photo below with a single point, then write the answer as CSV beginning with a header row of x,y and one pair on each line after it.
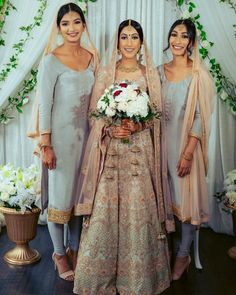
x,y
122,250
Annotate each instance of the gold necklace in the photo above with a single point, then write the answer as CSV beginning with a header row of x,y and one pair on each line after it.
x,y
122,68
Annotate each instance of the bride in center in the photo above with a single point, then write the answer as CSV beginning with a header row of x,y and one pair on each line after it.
x,y
124,247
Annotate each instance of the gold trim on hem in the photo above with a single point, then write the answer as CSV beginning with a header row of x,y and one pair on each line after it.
x,y
189,219
192,134
48,131
59,216
83,209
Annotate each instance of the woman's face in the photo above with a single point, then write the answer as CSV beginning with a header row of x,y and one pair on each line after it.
x,y
179,40
129,42
71,27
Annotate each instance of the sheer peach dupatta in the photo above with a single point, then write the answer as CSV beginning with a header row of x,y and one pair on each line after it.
x,y
193,188
86,42
95,152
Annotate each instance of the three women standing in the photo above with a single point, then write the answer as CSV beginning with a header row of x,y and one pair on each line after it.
x,y
187,93
65,81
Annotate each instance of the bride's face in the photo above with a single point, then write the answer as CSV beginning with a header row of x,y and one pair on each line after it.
x,y
129,42
71,27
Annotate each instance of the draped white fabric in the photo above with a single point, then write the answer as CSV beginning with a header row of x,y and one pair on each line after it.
x,y
103,18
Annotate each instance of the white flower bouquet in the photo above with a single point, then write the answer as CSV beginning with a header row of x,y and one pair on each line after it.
x,y
19,188
125,100
228,196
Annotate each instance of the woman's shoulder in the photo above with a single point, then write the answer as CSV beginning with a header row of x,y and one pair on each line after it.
x,y
48,61
160,70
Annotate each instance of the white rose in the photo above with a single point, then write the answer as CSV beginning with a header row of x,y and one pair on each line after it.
x,y
83,6
11,190
25,100
186,14
5,196
205,44
112,103
101,105
122,106
223,95
110,112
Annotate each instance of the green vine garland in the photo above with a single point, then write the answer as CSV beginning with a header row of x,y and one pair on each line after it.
x,y
14,59
232,4
226,89
3,13
21,98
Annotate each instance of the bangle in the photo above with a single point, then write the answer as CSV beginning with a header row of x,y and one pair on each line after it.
x,y
140,126
108,131
44,146
187,156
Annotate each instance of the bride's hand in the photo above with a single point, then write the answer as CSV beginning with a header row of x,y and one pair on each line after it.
x,y
130,125
120,132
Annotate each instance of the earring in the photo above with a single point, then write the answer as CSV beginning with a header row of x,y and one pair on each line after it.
x,y
190,51
140,58
118,52
140,55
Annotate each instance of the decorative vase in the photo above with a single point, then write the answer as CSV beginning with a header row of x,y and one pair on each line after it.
x,y
21,228
232,250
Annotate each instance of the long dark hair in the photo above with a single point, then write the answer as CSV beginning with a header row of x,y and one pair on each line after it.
x,y
191,31
64,9
134,24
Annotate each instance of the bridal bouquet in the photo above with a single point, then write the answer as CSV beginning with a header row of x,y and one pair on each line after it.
x,y
125,100
19,188
228,196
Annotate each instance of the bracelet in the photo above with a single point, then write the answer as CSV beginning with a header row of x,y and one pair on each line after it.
x,y
140,126
108,131
44,146
187,157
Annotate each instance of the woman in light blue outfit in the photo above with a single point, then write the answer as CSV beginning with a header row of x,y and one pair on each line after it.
x,y
66,77
187,92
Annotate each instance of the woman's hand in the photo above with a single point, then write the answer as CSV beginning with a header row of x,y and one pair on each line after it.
x,y
130,125
48,157
120,132
183,167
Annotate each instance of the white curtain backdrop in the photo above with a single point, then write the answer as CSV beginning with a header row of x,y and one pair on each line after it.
x,y
103,18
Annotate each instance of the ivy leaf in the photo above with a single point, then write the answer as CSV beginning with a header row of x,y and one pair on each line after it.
x,y
212,61
2,42
12,59
180,2
19,109
192,4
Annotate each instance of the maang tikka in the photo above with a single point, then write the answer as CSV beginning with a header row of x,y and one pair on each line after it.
x,y
129,27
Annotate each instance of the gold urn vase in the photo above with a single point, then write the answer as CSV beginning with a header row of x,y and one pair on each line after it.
x,y
21,228
232,250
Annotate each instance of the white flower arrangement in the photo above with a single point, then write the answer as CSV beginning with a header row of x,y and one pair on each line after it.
x,y
125,100
228,196
19,188
230,188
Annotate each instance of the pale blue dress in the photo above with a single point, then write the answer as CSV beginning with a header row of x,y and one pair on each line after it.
x,y
174,96
64,96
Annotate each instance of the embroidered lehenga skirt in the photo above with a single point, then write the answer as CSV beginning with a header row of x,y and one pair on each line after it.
x,y
121,250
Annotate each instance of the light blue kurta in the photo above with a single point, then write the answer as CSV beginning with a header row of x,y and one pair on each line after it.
x,y
64,96
174,96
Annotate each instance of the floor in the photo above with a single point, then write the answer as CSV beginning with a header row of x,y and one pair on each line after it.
x,y
217,278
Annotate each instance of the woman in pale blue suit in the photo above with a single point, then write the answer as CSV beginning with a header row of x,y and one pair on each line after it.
x,y
66,77
187,93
